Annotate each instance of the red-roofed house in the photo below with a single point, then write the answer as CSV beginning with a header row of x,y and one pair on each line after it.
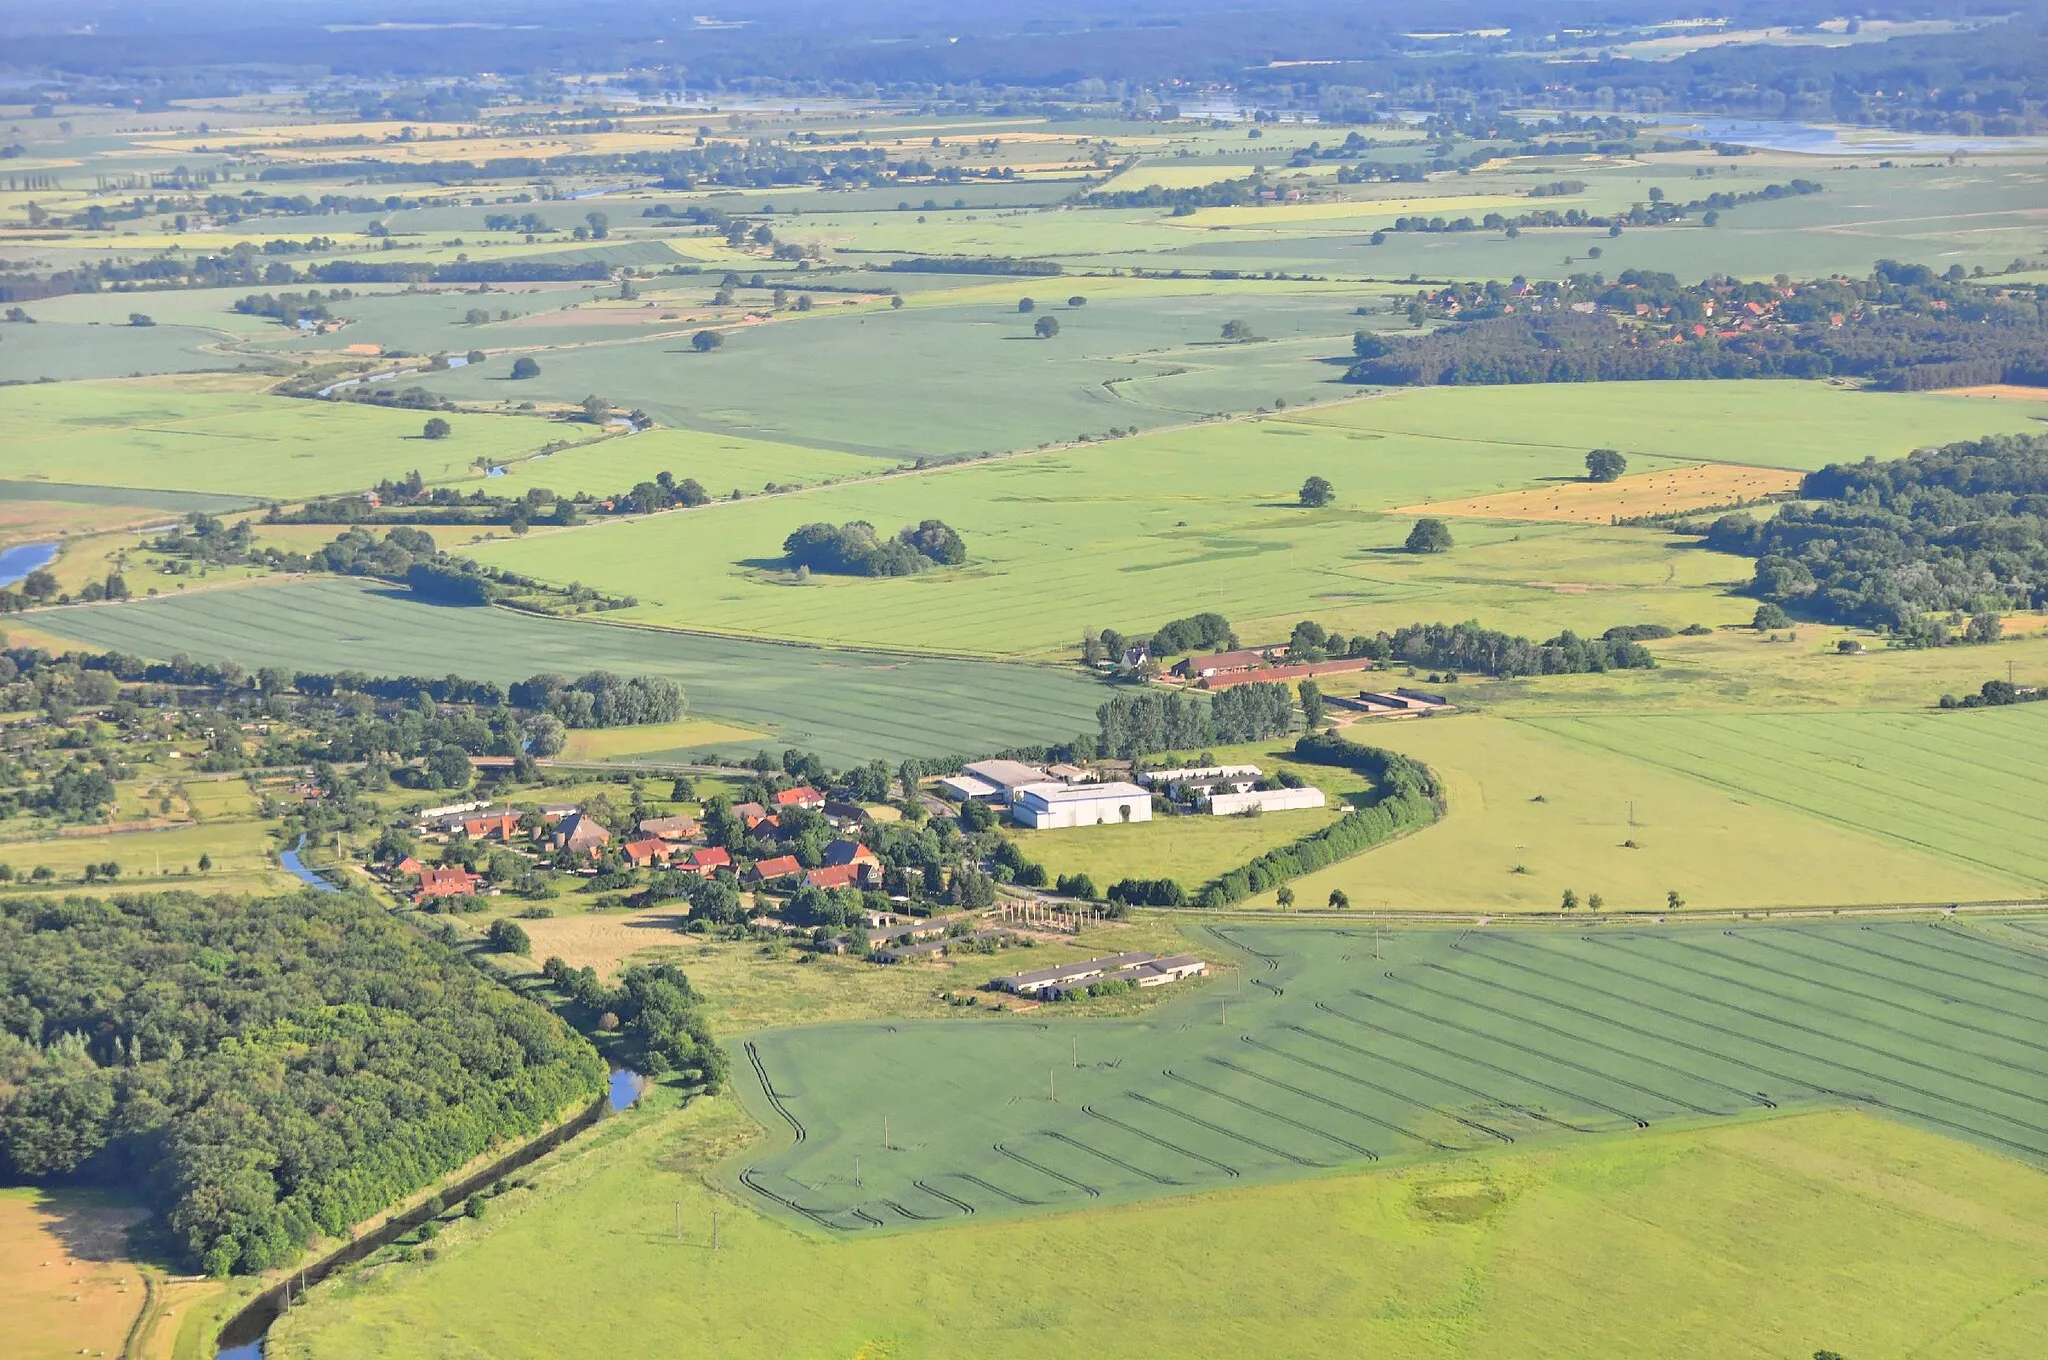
x,y
406,867
844,851
502,827
837,876
768,870
763,825
454,881
669,828
653,850
707,860
579,833
802,796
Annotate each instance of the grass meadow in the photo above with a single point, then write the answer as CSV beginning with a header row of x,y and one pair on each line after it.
x,y
1723,1228
1959,787
1533,813
843,705
1130,532
227,438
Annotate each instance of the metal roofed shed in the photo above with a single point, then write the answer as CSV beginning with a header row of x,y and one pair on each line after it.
x,y
1007,775
1265,800
1048,806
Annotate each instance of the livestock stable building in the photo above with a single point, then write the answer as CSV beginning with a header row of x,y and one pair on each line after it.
x,y
1138,968
1049,806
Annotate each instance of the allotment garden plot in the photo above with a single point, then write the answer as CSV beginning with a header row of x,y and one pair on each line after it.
x,y
1342,1048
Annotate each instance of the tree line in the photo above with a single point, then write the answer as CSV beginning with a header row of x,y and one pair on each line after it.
x,y
1153,720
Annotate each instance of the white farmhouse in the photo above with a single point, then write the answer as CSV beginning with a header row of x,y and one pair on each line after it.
x,y
1049,805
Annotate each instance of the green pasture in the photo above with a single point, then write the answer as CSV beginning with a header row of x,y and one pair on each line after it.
x,y
225,439
722,463
54,351
863,381
1958,786
152,858
1129,533
1771,423
1532,814
1976,213
1773,1238
842,704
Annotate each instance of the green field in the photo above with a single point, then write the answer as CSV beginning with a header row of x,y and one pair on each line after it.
x,y
225,438
1532,814
1129,533
1748,1234
722,463
1960,786
1346,1049
842,704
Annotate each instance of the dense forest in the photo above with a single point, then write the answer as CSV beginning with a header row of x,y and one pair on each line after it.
x,y
261,1072
1960,528
1904,329
1147,721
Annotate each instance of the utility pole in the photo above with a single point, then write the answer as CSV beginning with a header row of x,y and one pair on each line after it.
x,y
1052,1087
679,1220
714,1230
1077,1052
885,1132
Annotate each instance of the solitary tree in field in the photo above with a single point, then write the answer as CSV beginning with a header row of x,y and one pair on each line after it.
x,y
1338,899
1285,897
1238,330
475,356
1605,465
1026,305
1077,301
1673,900
1046,327
1317,493
706,341
525,366
1429,535
1570,900
600,225
595,409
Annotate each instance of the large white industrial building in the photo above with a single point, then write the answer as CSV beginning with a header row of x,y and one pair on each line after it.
x,y
1049,805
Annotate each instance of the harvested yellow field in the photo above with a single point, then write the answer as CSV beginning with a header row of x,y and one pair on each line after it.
x,y
2011,391
66,1286
1646,493
619,743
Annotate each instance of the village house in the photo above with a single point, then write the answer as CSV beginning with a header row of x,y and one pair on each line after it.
x,y
802,796
501,826
453,881
669,828
642,853
768,870
580,835
844,851
838,876
705,861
